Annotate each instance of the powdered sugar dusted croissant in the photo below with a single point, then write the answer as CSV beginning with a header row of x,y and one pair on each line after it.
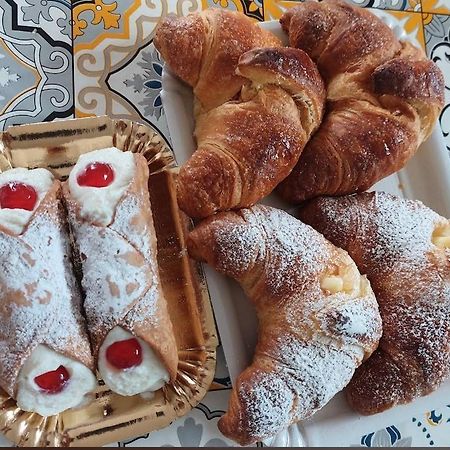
x,y
318,317
383,99
404,248
45,357
130,328
203,49
246,147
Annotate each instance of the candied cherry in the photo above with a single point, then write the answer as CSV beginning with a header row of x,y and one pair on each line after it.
x,y
16,195
124,354
54,381
97,175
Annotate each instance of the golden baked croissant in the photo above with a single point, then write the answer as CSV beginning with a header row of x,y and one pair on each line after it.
x,y
404,248
318,317
384,97
246,147
203,49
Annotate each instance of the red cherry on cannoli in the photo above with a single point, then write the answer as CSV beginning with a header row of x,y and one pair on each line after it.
x,y
124,354
96,175
54,381
15,195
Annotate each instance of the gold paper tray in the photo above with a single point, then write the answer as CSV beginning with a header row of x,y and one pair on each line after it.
x,y
111,417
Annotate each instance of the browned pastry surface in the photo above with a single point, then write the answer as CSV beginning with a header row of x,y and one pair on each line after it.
x,y
126,247
383,99
246,147
318,317
40,299
404,248
203,49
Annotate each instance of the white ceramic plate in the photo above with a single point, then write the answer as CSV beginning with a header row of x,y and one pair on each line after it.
x,y
426,177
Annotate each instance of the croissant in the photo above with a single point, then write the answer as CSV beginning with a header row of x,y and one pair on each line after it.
x,y
404,248
383,99
203,49
246,147
318,317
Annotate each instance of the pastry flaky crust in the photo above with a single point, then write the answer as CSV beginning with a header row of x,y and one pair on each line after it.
x,y
203,49
246,147
120,271
403,247
40,300
383,99
312,336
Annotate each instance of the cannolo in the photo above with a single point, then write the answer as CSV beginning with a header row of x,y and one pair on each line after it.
x,y
46,360
110,215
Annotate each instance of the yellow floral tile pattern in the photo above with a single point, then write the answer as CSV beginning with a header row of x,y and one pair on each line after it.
x,y
396,5
101,12
273,10
412,23
436,6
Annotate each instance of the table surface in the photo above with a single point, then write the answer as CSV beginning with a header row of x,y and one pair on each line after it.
x,y
62,59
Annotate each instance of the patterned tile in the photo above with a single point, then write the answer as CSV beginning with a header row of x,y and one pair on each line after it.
x,y
273,10
117,69
252,8
35,61
437,37
437,426
396,5
412,23
436,6
428,430
138,81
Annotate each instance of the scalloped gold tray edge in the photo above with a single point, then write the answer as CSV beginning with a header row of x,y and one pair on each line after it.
x,y
111,417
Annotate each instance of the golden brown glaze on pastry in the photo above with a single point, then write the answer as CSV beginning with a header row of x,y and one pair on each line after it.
x,y
203,49
246,147
383,99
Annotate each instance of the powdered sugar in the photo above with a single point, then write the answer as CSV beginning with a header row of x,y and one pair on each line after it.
x,y
391,240
295,257
120,271
110,263
237,246
302,381
306,351
349,323
40,301
131,224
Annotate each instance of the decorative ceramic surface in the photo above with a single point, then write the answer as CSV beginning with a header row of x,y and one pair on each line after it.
x,y
36,61
62,58
432,429
437,40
